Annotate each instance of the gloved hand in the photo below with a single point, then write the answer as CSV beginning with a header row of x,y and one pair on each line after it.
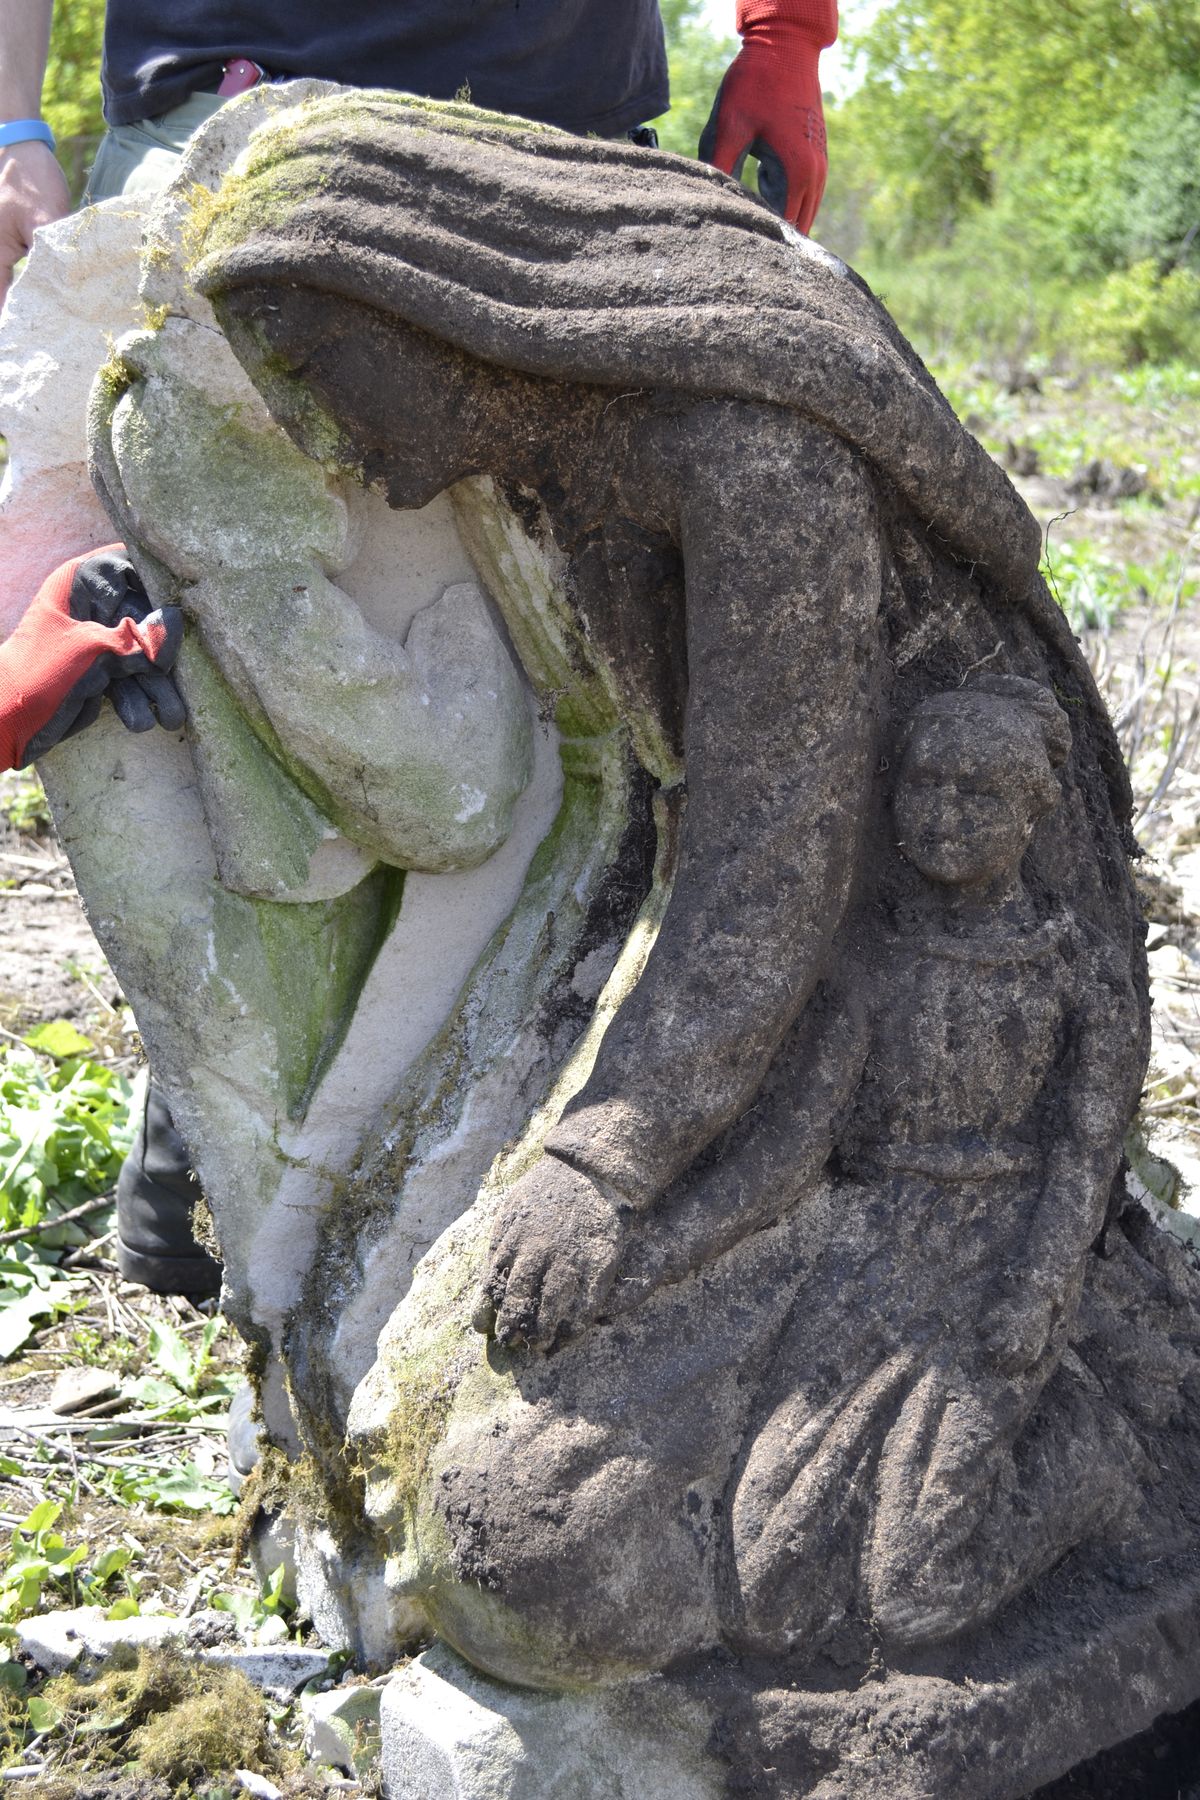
x,y
769,104
89,631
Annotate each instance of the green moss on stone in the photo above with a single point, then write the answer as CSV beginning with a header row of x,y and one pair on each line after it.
x,y
279,171
265,826
113,378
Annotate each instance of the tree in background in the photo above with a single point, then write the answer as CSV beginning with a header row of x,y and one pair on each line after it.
x,y
1023,159
698,59
71,99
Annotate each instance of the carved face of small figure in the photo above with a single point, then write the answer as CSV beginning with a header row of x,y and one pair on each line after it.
x,y
976,775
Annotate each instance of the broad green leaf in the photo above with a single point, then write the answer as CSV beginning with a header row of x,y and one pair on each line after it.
x,y
44,1514
125,1608
152,1390
64,1129
58,1038
25,1568
44,1715
170,1353
29,1594
273,1591
60,1557
110,1562
21,1313
24,1146
184,1487
245,1608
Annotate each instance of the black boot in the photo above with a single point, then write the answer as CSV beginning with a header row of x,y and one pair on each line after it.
x,y
156,1192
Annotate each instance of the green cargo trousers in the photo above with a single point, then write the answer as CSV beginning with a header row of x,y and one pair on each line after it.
x,y
142,158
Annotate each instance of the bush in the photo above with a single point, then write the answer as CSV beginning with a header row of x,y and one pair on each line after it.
x,y
1140,316
973,301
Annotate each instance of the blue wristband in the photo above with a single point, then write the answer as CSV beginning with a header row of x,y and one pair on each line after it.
x,y
26,131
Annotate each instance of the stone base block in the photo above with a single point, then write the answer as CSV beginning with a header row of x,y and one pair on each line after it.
x,y
450,1733
1018,1708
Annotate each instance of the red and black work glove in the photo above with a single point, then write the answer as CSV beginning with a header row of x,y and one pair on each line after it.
x,y
769,104
89,632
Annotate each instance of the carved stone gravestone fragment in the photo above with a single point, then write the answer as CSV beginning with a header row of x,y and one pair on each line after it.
x,y
651,974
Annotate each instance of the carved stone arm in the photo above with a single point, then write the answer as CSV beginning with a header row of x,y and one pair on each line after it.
x,y
779,1149
1099,1095
782,599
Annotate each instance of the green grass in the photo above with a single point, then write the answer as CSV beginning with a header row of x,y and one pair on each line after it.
x,y
1138,418
1093,588
64,1131
1158,384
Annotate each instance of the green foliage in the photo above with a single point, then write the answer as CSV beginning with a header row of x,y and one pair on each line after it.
x,y
32,1293
263,1615
186,1387
1140,315
71,96
973,298
698,60
184,1488
23,802
64,1132
1140,417
1002,159
1140,182
1158,385
1093,588
64,1129
40,1560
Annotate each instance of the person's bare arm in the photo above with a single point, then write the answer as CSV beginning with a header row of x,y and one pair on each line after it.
x,y
33,189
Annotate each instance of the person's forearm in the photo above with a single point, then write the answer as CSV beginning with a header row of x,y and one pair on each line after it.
x,y
815,19
24,48
33,189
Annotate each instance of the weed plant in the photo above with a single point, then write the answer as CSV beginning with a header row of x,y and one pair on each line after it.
x,y
23,802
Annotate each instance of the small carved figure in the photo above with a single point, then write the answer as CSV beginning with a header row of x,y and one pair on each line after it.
x,y
979,1154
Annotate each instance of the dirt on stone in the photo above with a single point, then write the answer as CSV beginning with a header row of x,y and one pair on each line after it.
x,y
1160,1764
51,967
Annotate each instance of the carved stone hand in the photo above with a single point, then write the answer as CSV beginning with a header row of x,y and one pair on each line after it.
x,y
553,1258
1017,1329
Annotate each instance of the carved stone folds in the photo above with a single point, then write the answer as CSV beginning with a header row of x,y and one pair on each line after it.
x,y
639,935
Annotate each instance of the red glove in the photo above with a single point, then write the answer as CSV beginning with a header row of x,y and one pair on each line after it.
x,y
769,104
89,630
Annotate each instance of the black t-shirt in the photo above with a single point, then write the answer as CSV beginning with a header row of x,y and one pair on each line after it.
x,y
587,65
